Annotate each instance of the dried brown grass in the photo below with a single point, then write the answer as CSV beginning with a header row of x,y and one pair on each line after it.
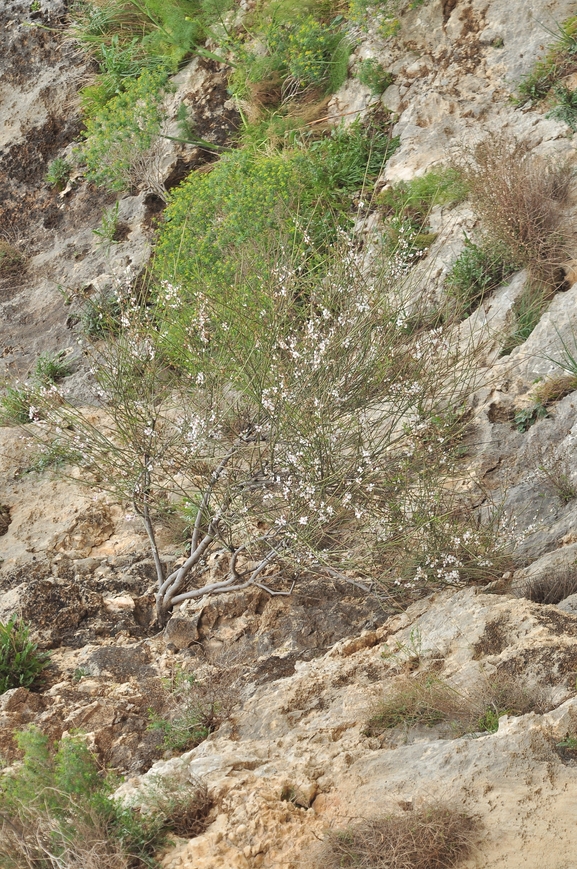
x,y
519,197
555,467
554,389
184,808
12,260
434,837
423,698
33,838
549,588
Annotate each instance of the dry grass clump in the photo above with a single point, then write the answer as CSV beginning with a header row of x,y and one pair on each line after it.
x,y
418,699
426,699
553,389
12,260
435,837
556,468
189,709
183,808
549,588
519,197
35,838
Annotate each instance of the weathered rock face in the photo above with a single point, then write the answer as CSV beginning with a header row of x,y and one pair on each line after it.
x,y
305,736
455,66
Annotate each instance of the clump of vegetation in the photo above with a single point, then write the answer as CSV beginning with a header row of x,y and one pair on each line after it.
x,y
388,14
443,186
406,208
304,54
302,193
553,389
100,316
56,810
182,808
218,394
454,546
436,836
51,455
58,173
528,416
12,260
550,588
566,108
130,36
559,61
519,199
423,698
51,368
192,710
527,311
373,75
121,140
478,270
19,405
21,661
567,748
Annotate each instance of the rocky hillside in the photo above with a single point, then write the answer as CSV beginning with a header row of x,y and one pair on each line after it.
x,y
389,190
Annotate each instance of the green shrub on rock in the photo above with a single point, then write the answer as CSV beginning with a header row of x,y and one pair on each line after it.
x,y
21,662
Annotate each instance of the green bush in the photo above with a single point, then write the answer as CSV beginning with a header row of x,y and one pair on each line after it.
x,y
51,368
56,809
129,36
298,197
477,271
301,53
58,173
373,75
21,662
123,130
307,49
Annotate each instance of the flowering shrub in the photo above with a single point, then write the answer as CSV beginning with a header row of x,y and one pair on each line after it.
x,y
301,433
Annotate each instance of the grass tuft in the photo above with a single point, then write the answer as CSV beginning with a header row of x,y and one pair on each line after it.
x,y
432,837
550,588
423,698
